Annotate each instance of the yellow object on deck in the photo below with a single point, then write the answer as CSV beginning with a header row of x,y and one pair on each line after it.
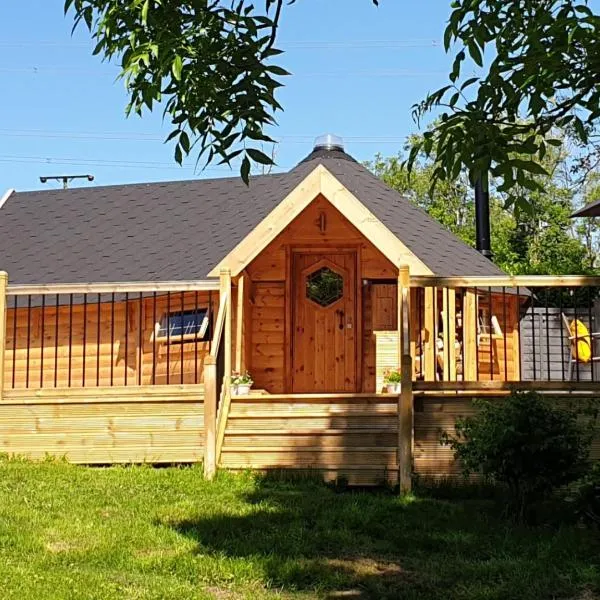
x,y
581,344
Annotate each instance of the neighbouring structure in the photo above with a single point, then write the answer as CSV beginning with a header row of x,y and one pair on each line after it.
x,y
130,306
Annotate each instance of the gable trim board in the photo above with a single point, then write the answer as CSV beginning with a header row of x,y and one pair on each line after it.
x,y
320,181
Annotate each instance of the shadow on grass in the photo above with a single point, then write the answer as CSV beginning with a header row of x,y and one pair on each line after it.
x,y
307,537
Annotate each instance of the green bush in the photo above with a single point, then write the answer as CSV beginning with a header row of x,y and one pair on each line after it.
x,y
586,496
523,443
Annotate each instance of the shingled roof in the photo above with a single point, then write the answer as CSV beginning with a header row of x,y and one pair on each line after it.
x,y
180,230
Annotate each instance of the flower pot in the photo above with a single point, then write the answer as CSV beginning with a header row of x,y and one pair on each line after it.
x,y
393,388
242,389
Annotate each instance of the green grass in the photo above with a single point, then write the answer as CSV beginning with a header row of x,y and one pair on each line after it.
x,y
69,532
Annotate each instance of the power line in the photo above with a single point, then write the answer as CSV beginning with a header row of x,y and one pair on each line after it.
x,y
294,44
150,137
113,163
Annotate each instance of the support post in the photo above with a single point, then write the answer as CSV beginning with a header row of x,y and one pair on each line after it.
x,y
210,417
405,400
449,320
469,319
429,347
225,292
3,286
239,325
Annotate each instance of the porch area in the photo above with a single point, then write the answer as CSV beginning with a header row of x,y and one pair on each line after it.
x,y
141,372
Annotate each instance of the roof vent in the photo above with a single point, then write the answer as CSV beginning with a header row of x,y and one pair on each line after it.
x,y
329,142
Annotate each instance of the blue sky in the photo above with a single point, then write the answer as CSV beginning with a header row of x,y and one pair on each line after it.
x,y
357,70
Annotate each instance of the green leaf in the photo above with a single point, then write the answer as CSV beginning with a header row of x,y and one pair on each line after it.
x,y
177,67
259,157
245,170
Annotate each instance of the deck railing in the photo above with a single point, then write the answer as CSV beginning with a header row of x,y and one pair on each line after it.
x,y
106,334
505,329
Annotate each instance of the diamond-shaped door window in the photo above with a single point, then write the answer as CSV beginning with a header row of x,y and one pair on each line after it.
x,y
324,286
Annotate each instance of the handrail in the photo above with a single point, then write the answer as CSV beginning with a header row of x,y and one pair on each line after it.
x,y
506,281
219,326
117,287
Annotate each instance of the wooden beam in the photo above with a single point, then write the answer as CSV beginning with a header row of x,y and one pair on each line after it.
x,y
320,182
523,281
107,288
483,386
469,319
429,346
3,285
210,417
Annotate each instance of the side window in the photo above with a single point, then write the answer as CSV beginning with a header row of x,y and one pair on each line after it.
x,y
181,326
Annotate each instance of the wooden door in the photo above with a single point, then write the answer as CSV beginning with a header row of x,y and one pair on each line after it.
x,y
324,322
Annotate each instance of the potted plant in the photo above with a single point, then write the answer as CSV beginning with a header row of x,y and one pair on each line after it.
x,y
392,380
241,383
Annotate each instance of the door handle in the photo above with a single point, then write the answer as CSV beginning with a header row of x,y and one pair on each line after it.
x,y
341,315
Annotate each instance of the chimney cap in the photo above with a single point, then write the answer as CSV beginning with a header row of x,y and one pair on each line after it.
x,y
329,141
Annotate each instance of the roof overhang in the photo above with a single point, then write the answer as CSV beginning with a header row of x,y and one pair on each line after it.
x,y
320,182
591,210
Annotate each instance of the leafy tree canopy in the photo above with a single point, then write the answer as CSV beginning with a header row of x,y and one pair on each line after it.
x,y
542,241
540,65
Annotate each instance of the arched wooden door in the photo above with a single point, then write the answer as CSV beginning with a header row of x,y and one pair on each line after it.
x,y
324,322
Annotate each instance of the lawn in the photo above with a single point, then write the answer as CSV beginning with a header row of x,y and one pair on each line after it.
x,y
72,532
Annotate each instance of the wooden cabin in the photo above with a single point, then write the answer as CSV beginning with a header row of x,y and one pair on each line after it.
x,y
122,287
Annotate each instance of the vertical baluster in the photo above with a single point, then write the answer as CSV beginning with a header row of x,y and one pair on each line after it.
x,y
154,339
196,337
14,362
182,336
84,339
533,336
591,328
477,336
28,340
126,338
504,333
168,336
491,329
519,330
562,336
70,336
112,338
574,296
548,367
420,304
99,309
56,341
42,327
140,341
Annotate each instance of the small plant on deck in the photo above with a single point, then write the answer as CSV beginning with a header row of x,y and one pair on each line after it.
x,y
392,380
241,383
524,443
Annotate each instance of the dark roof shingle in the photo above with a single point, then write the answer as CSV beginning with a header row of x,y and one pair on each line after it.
x,y
181,230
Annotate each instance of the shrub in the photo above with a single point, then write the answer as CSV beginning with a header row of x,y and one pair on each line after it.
x,y
586,496
523,443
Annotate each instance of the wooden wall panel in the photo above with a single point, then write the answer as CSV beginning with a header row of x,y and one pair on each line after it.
x,y
268,336
158,425
90,348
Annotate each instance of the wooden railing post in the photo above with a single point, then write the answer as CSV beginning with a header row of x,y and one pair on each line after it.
x,y
3,286
227,338
469,319
405,400
210,417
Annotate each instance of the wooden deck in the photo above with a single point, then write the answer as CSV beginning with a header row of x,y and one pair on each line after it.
x,y
146,424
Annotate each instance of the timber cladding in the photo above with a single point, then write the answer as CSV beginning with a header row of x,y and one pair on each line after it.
x,y
102,343
157,424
